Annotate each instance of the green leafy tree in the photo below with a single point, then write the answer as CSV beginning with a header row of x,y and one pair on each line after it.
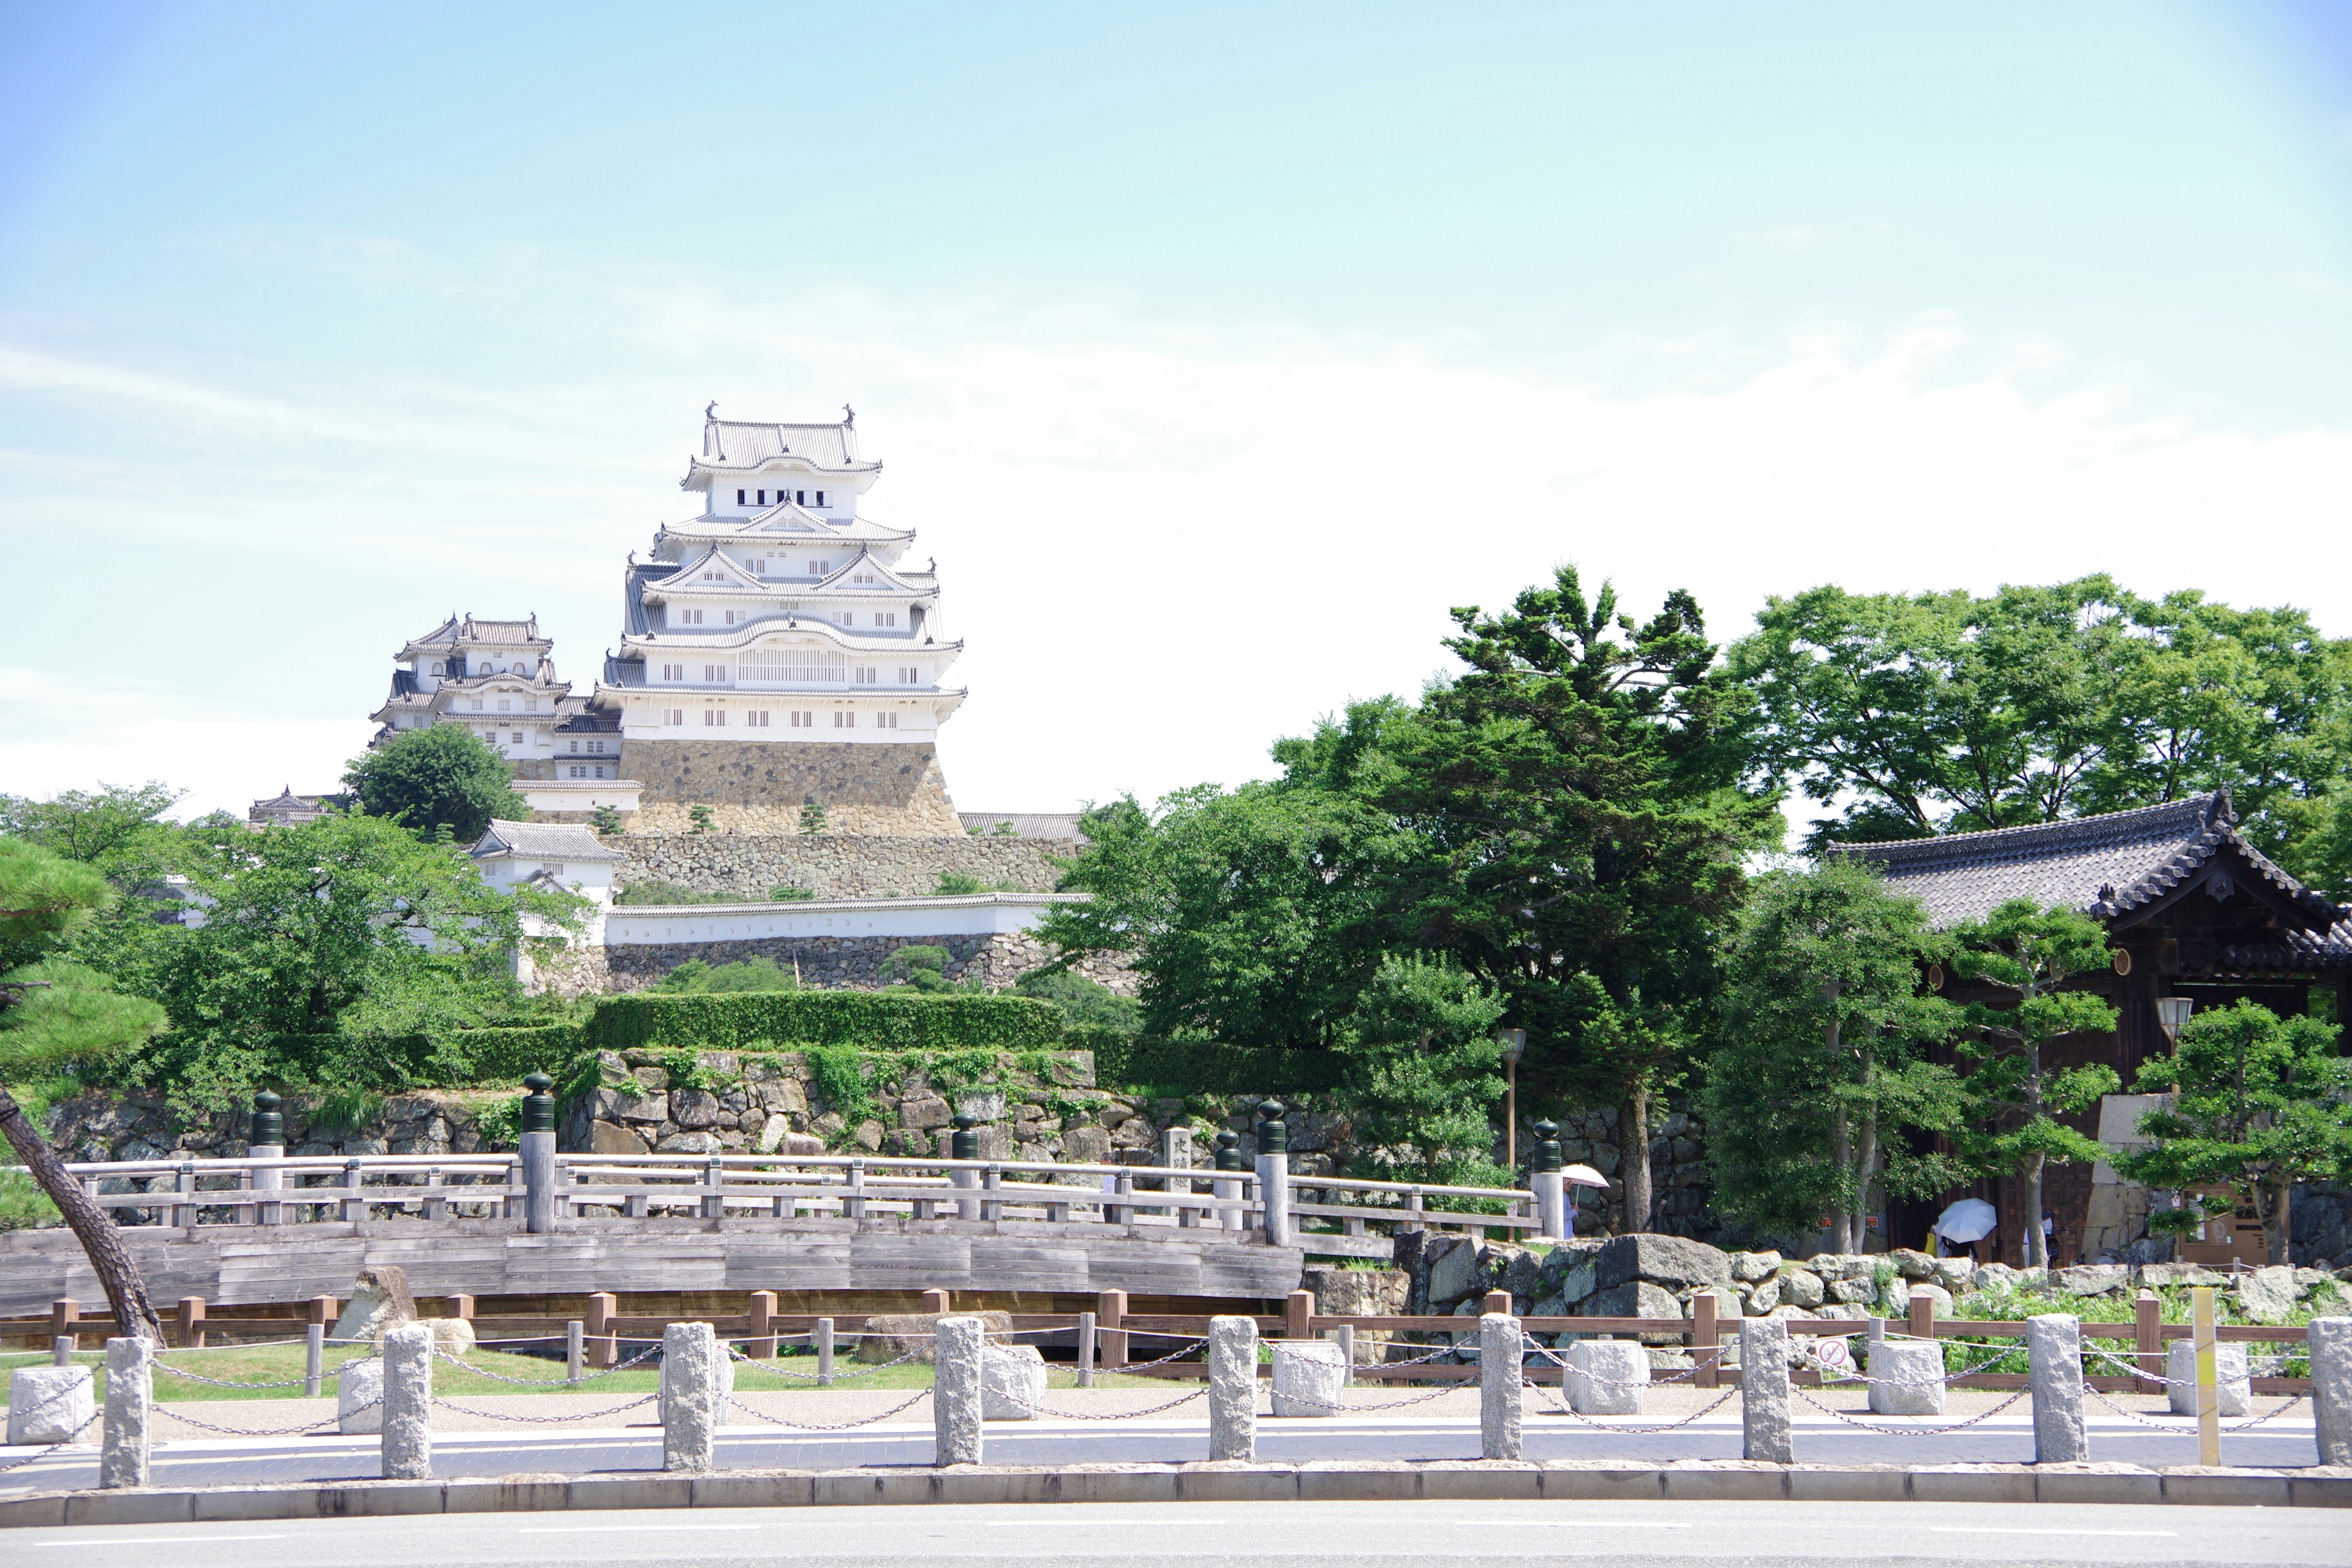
x,y
96,828
605,820
1578,828
1422,1073
2260,1102
2014,1101
1082,1001
921,966
812,818
54,1018
1239,909
348,926
695,977
440,778
1820,1065
1921,714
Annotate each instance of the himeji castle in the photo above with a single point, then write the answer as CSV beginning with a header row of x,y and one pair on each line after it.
x,y
778,652
498,678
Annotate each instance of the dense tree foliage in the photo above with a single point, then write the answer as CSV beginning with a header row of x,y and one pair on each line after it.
x,y
2260,1102
1924,713
442,778
1819,1069
1425,1073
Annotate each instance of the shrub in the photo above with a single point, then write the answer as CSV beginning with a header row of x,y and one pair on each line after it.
x,y
672,893
1176,1068
695,978
787,894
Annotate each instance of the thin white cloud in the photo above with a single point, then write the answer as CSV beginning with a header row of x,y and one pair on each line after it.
x,y
1166,546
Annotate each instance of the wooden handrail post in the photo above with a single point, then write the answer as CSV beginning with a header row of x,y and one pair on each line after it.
x,y
1299,1316
602,1307
1497,1302
321,1310
64,1320
938,1303
763,1327
1921,1315
2147,1340
1705,1339
458,1307
191,1323
1110,1309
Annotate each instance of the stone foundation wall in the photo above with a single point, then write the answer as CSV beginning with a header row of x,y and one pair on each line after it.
x,y
837,865
855,963
760,786
99,1126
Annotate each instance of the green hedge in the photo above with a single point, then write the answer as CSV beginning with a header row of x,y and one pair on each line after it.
x,y
1181,1068
458,1059
861,1018
486,1056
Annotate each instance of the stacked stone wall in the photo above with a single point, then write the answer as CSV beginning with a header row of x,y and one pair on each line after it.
x,y
837,865
760,786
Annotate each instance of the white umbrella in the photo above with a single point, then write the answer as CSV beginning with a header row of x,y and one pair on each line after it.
x,y
1970,1219
1582,1176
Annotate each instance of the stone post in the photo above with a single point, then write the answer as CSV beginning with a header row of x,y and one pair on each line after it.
x,y
2331,1388
1176,1155
1273,1173
1765,1429
2054,1359
130,1407
1500,1400
314,1359
1227,1183
963,1144
268,1142
1233,1388
691,1397
1549,1185
961,1353
822,1337
538,1141
407,1442
575,1351
1916,1373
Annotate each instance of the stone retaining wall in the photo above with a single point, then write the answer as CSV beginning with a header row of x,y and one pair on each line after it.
x,y
837,865
760,786
855,962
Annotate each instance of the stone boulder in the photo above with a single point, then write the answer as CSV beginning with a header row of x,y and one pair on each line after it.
x,y
2268,1295
1456,1271
1759,1302
359,1396
1606,1377
1635,1298
2236,1390
1802,1288
1012,1382
1912,1264
1999,1277
379,1300
51,1405
452,1336
1674,1262
1753,1268
2163,1274
2091,1278
892,1334
1308,1375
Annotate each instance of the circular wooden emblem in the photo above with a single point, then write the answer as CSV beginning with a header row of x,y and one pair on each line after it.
x,y
1935,977
2122,962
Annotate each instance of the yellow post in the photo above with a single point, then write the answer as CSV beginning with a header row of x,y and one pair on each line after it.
x,y
2209,1381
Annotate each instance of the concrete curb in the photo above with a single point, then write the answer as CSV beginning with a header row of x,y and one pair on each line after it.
x,y
1332,1480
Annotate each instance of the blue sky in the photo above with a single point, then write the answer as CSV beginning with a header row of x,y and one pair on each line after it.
x,y
1214,350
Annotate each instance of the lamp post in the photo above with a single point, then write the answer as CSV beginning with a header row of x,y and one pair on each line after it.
x,y
2172,1012
1515,1045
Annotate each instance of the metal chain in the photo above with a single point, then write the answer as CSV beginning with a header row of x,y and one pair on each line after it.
x,y
741,1359
334,1420
65,1442
1553,1356
544,1420
2159,1423
1439,1392
1078,1416
544,1382
1187,1348
920,1395
225,1383
1913,1431
1562,1407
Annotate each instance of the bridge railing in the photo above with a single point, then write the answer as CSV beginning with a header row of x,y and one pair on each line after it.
x,y
267,1188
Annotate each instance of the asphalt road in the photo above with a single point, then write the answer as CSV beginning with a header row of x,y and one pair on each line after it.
x,y
1199,1535
1179,1436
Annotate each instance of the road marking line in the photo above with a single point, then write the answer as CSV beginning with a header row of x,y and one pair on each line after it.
x,y
155,1540
1589,1523
625,1528
2027,1530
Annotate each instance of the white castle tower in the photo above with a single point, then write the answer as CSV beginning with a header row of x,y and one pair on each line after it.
x,y
775,655
498,678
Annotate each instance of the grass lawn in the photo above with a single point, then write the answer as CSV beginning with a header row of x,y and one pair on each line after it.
x,y
281,1362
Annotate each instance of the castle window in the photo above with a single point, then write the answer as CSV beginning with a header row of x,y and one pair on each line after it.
x,y
600,772
865,674
801,497
530,704
673,672
575,747
738,497
689,617
714,577
757,718
844,719
910,676
504,705
596,746
714,673
676,716
518,737
819,568
820,497
477,705
763,498
803,719
760,568
886,721
714,718
864,577
886,618
435,669
848,618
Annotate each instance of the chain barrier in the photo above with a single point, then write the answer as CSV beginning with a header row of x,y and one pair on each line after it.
x,y
67,1441
1562,1407
1911,1431
335,1420
909,1403
545,1382
2159,1423
739,1357
544,1420
325,1373
1187,1348
1199,1393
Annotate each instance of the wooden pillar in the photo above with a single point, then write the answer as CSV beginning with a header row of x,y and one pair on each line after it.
x,y
320,1310
1299,1316
64,1320
1707,1338
938,1302
457,1306
2147,1340
1922,1315
763,1325
602,1308
191,1323
1110,1308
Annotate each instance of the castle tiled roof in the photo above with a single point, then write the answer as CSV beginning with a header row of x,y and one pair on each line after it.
x,y
2102,866
1023,823
541,841
736,444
